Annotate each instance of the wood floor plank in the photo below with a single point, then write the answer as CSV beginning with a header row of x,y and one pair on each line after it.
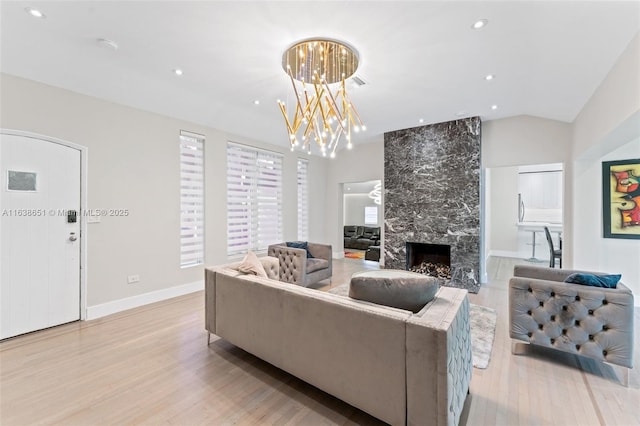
x,y
151,366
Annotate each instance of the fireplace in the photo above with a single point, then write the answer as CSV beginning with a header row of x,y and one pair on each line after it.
x,y
432,195
429,259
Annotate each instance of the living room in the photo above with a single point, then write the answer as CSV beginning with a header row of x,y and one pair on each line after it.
x,y
133,162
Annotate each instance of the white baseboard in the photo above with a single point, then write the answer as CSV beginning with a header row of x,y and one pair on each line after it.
x,y
505,253
120,305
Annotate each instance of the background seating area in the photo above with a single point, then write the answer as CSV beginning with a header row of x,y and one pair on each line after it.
x,y
361,237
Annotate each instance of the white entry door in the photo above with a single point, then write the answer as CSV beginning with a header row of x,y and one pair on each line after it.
x,y
40,248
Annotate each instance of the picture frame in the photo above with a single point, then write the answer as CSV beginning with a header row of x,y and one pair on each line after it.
x,y
621,199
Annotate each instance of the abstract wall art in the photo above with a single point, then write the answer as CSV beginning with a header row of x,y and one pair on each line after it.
x,y
621,198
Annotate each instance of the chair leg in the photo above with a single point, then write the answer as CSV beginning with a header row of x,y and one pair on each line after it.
x,y
560,260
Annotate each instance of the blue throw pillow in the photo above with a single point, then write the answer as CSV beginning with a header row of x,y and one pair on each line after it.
x,y
300,245
606,281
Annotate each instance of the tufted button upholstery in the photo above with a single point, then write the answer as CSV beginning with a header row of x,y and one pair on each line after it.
x,y
296,268
573,318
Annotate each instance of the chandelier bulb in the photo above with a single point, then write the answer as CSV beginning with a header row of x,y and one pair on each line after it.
x,y
364,127
356,129
333,154
349,145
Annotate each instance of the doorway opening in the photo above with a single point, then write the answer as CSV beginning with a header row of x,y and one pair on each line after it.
x,y
362,220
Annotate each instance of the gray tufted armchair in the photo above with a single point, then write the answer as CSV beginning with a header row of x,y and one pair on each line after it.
x,y
589,321
296,268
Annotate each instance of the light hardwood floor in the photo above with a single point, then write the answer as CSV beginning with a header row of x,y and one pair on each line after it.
x,y
151,365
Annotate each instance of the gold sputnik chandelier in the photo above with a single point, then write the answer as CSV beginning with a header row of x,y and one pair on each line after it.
x,y
320,114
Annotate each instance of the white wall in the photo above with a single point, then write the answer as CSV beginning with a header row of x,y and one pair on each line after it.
x,y
607,128
524,139
354,205
503,198
364,162
133,163
592,251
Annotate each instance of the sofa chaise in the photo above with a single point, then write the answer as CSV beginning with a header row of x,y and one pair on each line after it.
x,y
400,367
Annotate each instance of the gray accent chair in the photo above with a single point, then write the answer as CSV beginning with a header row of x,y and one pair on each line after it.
x,y
296,268
589,321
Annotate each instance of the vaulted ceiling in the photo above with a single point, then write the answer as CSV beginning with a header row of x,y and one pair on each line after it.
x,y
420,59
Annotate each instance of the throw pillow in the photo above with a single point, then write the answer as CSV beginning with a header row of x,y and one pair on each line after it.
x,y
252,265
300,245
605,281
396,288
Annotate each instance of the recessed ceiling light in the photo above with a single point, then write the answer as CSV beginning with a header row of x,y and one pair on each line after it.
x,y
494,107
177,71
421,120
105,42
35,12
256,102
479,24
489,77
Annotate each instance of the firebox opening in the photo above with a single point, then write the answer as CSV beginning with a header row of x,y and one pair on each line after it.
x,y
429,259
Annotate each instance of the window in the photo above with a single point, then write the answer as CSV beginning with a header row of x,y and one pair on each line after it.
x,y
254,199
371,215
191,199
303,200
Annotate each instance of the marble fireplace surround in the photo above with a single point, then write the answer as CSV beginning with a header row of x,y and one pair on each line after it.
x,y
432,195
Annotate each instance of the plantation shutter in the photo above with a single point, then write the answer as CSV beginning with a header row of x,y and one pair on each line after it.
x,y
303,200
254,199
191,199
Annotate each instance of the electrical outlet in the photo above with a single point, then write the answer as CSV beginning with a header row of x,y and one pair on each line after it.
x,y
133,279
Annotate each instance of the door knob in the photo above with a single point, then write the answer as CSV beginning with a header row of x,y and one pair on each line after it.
x,y
72,236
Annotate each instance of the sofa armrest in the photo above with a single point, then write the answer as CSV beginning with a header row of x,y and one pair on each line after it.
x,y
292,263
271,266
321,251
439,359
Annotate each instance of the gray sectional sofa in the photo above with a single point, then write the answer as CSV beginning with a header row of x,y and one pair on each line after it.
x,y
400,367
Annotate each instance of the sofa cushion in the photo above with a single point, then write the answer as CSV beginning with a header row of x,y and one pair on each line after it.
x,y
593,280
252,265
396,288
300,245
316,264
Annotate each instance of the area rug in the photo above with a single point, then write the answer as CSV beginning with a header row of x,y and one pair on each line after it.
x,y
483,329
354,254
